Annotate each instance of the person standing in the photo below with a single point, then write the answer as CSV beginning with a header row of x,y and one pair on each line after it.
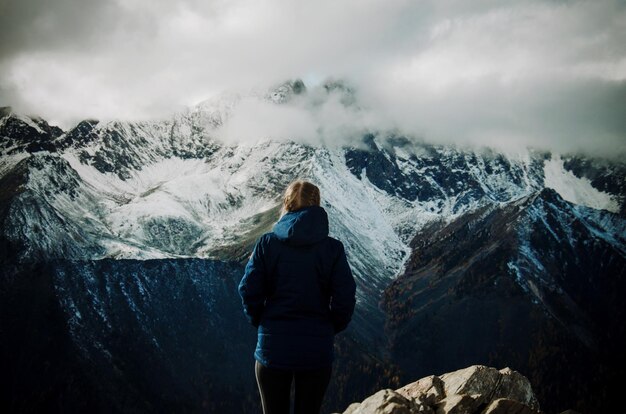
x,y
299,292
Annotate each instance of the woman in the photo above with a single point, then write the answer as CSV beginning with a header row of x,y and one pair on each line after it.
x,y
299,292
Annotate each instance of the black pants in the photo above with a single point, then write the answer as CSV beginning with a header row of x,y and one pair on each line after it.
x,y
275,388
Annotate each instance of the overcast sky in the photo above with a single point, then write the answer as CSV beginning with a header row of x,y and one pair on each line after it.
x,y
509,73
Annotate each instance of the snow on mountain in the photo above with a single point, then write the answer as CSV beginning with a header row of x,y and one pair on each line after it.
x,y
168,189
577,190
536,283
432,230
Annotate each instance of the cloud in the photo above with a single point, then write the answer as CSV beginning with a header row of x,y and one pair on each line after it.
x,y
504,73
318,115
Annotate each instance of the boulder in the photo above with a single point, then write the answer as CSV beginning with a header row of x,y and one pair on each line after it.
x,y
384,402
474,390
352,408
428,390
515,386
459,404
477,379
507,406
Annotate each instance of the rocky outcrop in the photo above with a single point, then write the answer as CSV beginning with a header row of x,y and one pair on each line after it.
x,y
474,390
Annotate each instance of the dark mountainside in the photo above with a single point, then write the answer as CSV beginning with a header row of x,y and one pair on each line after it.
x,y
134,336
506,274
460,300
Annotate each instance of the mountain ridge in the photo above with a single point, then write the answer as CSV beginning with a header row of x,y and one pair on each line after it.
x,y
461,256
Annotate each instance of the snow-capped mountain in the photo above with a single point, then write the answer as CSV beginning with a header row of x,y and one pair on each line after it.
x,y
534,283
422,224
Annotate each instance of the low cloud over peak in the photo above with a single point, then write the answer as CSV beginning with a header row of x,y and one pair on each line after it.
x,y
542,73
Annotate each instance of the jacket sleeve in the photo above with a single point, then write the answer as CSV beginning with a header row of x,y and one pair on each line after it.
x,y
252,285
343,290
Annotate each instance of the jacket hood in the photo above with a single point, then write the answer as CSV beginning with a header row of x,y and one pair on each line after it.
x,y
308,225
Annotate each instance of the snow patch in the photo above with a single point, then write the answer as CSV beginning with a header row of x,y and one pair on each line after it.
x,y
29,122
7,162
576,190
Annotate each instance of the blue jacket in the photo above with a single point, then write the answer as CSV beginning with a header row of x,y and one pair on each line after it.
x,y
299,291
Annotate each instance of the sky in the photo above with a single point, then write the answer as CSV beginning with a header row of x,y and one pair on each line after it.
x,y
541,73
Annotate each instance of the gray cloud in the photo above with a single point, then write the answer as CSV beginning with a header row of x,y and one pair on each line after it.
x,y
502,73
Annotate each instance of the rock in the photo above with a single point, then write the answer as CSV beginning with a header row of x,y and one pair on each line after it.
x,y
384,402
491,384
428,390
459,404
477,379
422,408
352,408
507,406
474,390
515,386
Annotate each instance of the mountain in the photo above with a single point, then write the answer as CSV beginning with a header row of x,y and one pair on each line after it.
x,y
535,283
123,233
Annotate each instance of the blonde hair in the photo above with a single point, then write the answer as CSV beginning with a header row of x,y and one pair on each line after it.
x,y
300,194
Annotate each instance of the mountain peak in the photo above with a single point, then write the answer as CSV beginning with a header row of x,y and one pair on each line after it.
x,y
286,91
